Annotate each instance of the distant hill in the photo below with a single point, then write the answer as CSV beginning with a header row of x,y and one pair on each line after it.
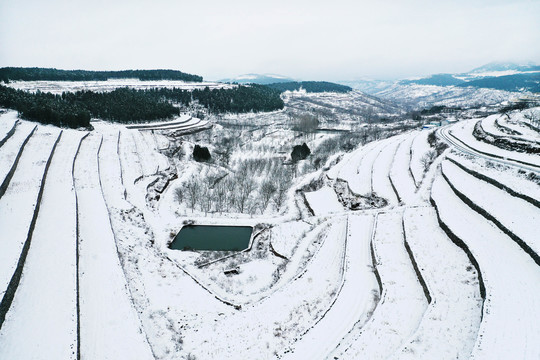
x,y
438,80
504,66
369,86
51,74
516,82
311,86
496,75
262,79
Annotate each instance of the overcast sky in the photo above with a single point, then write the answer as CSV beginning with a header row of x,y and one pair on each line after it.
x,y
309,40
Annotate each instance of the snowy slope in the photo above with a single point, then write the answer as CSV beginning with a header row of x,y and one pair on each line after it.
x,y
110,328
51,264
509,326
402,303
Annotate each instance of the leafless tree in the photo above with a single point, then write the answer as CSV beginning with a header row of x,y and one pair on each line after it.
x,y
206,198
193,192
428,159
220,197
533,117
246,187
179,194
364,136
281,195
268,190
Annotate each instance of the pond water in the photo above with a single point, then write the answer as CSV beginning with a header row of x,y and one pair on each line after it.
x,y
207,237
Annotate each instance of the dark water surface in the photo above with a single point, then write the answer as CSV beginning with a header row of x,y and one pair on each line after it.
x,y
206,237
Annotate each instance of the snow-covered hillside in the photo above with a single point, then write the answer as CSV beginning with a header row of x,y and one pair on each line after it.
x,y
57,87
424,96
420,245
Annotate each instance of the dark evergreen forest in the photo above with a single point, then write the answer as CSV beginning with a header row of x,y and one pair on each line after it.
x,y
45,108
127,105
517,82
50,74
311,86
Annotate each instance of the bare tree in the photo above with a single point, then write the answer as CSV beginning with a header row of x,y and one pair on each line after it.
x,y
179,194
246,187
267,191
533,117
206,198
281,194
364,135
220,197
193,190
428,159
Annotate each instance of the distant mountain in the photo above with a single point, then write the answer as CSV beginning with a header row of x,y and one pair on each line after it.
x,y
497,75
311,86
368,86
263,79
516,82
504,66
437,80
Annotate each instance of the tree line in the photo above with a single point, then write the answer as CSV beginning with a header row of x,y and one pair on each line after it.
x,y
240,99
311,86
51,74
127,105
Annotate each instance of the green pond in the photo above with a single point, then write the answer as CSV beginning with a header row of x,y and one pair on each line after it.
x,y
208,237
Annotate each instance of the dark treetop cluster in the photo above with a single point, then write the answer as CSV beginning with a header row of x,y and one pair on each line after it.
x,y
45,108
311,86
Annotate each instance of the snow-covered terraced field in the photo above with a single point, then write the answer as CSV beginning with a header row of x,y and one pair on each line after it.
x,y
511,313
183,124
109,324
402,303
461,135
502,208
18,205
400,173
419,148
499,125
381,170
450,324
31,319
446,267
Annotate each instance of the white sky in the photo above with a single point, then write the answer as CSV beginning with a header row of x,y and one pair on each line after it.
x,y
309,40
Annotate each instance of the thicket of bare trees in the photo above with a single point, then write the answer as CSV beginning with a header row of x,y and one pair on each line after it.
x,y
255,185
533,117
